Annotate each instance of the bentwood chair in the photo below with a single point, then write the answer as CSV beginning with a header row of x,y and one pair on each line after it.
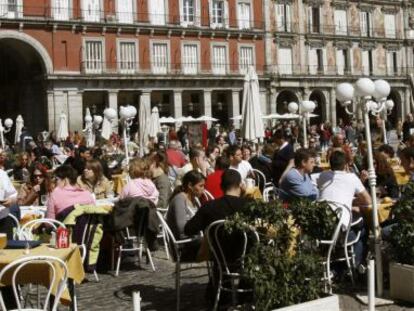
x,y
23,266
26,231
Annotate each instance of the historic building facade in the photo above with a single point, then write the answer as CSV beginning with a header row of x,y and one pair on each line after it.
x,y
188,57
316,44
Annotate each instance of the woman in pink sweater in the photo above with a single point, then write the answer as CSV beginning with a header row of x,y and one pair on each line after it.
x,y
140,184
66,193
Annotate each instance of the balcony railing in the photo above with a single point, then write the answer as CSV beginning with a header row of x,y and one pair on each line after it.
x,y
94,67
50,12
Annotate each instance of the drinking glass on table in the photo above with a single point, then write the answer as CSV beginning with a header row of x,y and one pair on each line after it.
x,y
43,199
3,242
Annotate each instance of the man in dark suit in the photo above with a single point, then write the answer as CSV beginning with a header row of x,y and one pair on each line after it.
x,y
283,157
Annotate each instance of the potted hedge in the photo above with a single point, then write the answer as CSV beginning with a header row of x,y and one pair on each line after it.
x,y
285,271
401,247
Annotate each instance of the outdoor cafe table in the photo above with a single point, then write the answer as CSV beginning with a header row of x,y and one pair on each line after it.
x,y
384,210
41,274
400,175
119,182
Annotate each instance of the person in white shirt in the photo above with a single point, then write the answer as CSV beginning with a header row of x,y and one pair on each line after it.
x,y
342,187
8,197
235,155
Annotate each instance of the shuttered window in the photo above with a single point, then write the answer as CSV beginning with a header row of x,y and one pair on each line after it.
x,y
190,58
285,61
283,21
219,60
91,10
188,11
125,11
11,8
160,58
389,24
93,56
392,62
60,10
340,22
157,12
127,57
245,58
244,14
217,13
365,24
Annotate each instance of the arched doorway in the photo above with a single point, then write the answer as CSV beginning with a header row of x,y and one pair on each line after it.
x,y
319,99
396,111
283,100
23,82
342,117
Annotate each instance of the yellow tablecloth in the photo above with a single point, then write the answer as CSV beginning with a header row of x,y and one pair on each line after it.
x,y
119,182
401,176
384,210
41,274
254,193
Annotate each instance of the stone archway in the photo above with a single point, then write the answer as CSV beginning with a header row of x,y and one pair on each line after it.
x,y
319,99
283,99
396,111
24,65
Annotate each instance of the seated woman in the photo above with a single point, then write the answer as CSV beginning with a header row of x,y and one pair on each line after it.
x,y
386,181
159,169
40,184
21,169
183,202
94,180
140,184
182,207
66,193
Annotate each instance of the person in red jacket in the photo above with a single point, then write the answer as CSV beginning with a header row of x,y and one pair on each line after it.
x,y
213,181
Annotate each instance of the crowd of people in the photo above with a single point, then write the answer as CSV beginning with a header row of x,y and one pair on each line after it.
x,y
196,184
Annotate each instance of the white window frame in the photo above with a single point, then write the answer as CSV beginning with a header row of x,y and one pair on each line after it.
x,y
183,68
84,56
389,31
133,13
241,24
218,71
390,66
340,29
283,67
241,70
214,23
55,14
5,13
119,60
311,21
167,42
154,18
83,10
366,32
286,24
196,12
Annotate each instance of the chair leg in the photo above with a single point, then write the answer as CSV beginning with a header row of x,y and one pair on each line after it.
x,y
118,262
216,301
96,275
178,282
150,258
167,252
348,263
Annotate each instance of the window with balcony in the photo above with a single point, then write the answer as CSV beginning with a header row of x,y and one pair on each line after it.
x,y
157,12
11,9
314,16
190,59
246,58
244,14
283,21
392,62
343,64
366,24
125,11
389,24
127,57
340,22
91,10
317,60
93,56
189,12
284,60
217,13
219,59
367,62
61,10
160,58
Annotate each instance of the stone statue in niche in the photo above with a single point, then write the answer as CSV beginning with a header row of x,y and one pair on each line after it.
x,y
411,20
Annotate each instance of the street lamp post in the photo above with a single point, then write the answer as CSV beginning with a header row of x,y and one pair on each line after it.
x,y
365,90
127,115
307,107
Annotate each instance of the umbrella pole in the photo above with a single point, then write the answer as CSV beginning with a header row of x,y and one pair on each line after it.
x,y
124,130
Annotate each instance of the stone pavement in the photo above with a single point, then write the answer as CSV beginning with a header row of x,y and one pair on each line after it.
x,y
158,291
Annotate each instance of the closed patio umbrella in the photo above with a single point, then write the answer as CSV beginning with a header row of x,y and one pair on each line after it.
x,y
252,122
144,120
63,129
19,126
154,126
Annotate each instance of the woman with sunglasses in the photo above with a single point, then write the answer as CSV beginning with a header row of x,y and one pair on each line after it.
x,y
40,184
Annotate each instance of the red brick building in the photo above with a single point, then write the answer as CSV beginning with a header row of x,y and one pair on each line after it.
x,y
185,56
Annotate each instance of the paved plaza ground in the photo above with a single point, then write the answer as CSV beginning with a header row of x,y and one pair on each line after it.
x,y
158,292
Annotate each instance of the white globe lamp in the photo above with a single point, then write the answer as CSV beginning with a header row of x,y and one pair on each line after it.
x,y
345,93
293,107
97,119
308,105
110,114
88,118
389,104
365,87
382,90
8,123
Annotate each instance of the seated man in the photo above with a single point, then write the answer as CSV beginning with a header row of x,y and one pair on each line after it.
x,y
235,155
296,183
337,185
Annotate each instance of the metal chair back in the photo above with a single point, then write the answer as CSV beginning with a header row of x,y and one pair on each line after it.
x,y
26,231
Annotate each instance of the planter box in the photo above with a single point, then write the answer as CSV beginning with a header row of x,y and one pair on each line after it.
x,y
330,303
402,282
